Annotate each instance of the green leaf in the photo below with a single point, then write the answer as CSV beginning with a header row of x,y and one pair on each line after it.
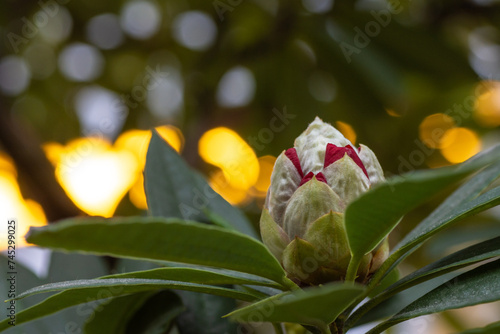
x,y
477,286
470,255
82,291
195,275
133,284
156,316
161,239
465,257
462,198
371,217
493,328
398,302
173,189
316,306
113,316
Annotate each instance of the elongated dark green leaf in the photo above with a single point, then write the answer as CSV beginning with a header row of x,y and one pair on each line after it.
x,y
371,217
478,286
141,284
456,205
493,328
113,316
193,275
316,306
465,257
399,301
161,239
82,291
173,189
470,255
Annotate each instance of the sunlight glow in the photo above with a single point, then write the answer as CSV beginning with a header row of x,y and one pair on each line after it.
x,y
225,149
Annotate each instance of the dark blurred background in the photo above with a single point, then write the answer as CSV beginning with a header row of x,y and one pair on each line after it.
x,y
230,84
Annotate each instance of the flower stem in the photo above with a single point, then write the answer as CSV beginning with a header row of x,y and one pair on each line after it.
x,y
352,269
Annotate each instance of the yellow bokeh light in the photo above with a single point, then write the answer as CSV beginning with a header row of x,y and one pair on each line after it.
x,y
266,164
460,144
487,107
225,149
94,175
220,185
433,128
347,131
137,194
13,206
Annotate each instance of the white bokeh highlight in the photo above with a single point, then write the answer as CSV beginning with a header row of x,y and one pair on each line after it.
x,y
140,19
165,97
236,88
100,111
14,75
81,62
195,30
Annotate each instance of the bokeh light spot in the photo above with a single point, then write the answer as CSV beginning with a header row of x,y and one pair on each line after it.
x,y
54,29
93,174
266,165
347,131
487,109
194,30
140,19
14,75
322,86
81,62
225,149
433,128
12,204
459,144
100,111
220,185
104,31
236,87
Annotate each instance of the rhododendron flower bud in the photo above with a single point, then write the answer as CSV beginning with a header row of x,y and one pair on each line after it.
x,y
303,219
